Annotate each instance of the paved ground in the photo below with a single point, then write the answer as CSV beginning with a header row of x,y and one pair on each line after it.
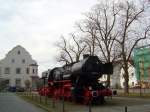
x,y
117,104
9,102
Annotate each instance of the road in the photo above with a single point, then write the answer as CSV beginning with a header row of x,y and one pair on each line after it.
x,y
9,102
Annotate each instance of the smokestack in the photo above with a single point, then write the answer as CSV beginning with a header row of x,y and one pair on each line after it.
x,y
85,56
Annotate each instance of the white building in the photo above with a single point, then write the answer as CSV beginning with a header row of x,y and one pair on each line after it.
x,y
18,68
117,78
132,77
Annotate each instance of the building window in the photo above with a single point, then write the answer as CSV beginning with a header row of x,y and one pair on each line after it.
x,y
18,82
23,61
18,52
33,71
27,70
18,70
36,71
13,60
132,74
132,83
7,70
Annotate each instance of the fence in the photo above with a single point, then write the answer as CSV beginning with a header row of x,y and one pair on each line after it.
x,y
62,106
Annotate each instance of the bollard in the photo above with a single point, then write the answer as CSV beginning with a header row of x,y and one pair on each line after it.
x,y
90,110
32,96
35,97
126,109
53,103
45,99
63,105
40,99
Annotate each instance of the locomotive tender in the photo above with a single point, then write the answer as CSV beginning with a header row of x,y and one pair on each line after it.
x,y
79,81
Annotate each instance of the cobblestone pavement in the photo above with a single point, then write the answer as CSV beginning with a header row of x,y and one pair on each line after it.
x,y
9,102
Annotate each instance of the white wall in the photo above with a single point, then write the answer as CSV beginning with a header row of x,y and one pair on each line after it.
x,y
117,78
14,60
132,77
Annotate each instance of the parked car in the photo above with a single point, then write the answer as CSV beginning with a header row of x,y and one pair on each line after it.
x,y
20,89
12,89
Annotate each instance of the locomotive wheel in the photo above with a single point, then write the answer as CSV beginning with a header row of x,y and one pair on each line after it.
x,y
98,100
86,100
101,100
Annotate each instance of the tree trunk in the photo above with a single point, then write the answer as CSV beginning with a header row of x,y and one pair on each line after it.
x,y
108,80
108,75
126,77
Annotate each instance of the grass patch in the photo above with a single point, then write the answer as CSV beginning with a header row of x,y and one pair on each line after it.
x,y
135,95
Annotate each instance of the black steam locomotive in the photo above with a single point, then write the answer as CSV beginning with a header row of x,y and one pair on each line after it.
x,y
79,81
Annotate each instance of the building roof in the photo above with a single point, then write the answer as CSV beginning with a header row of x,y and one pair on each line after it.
x,y
19,47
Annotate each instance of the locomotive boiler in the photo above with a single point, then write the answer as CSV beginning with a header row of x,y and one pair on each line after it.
x,y
79,81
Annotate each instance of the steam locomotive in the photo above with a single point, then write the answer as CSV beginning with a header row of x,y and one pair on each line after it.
x,y
79,81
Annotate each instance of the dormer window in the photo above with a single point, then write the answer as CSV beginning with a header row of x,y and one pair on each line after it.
x,y
18,52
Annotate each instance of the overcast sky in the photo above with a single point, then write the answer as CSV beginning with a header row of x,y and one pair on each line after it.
x,y
37,24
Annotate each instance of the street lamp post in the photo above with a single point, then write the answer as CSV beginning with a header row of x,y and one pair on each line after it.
x,y
140,83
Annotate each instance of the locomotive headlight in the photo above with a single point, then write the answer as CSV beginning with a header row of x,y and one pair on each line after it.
x,y
90,88
72,88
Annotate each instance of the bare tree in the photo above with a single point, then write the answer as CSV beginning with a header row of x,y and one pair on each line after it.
x,y
78,48
99,29
88,30
70,51
131,17
115,29
64,47
110,30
